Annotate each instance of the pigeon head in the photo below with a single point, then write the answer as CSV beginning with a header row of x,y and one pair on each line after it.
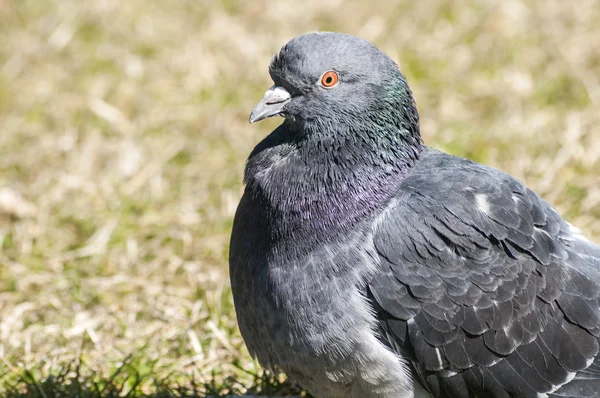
x,y
350,136
327,79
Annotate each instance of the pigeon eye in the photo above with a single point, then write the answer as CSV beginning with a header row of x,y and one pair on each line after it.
x,y
329,79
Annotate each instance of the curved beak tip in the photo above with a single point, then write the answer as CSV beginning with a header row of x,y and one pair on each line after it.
x,y
253,117
271,104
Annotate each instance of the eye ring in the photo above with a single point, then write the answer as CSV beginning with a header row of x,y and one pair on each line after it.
x,y
329,79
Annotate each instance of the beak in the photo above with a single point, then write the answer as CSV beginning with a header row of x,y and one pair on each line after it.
x,y
271,104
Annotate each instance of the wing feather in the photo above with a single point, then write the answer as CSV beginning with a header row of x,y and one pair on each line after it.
x,y
484,288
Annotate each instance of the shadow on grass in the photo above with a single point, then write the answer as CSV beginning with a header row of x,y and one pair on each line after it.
x,y
72,381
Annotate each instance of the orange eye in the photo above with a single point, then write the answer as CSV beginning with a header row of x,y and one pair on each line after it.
x,y
329,79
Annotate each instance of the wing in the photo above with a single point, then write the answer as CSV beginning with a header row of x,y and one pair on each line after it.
x,y
484,288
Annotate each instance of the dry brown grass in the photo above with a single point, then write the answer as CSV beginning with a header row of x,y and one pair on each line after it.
x,y
123,135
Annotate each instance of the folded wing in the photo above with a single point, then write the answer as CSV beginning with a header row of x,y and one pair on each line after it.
x,y
484,288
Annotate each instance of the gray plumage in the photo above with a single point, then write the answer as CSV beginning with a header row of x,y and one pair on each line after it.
x,y
365,264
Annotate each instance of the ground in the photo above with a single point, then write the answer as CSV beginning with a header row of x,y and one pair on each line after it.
x,y
123,136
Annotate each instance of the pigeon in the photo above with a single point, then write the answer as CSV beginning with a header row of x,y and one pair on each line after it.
x,y
364,263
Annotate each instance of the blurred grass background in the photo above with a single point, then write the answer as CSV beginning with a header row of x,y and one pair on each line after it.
x,y
123,136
